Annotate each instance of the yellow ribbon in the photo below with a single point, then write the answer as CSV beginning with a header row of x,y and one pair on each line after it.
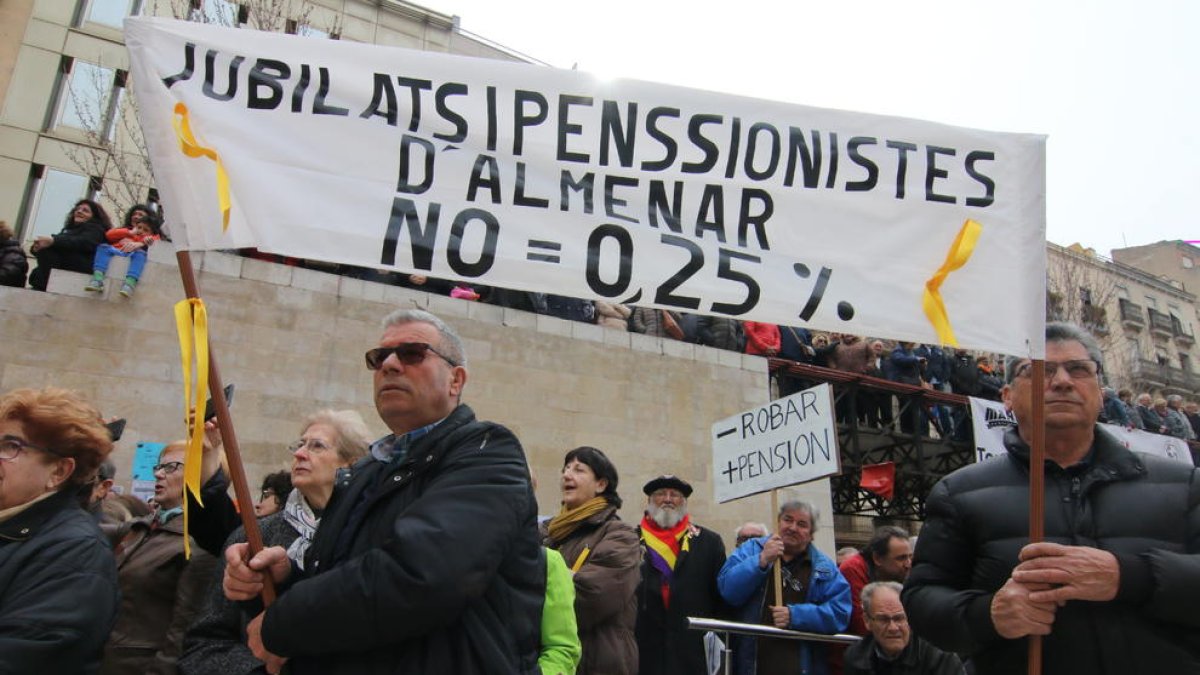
x,y
960,252
191,320
192,148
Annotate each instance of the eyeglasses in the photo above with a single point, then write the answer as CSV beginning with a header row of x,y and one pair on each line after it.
x,y
313,444
885,619
1080,369
266,494
408,353
168,468
11,446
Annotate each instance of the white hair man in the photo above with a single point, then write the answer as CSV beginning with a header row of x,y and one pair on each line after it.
x,y
680,564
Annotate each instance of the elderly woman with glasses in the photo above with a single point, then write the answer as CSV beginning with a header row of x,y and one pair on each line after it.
x,y
332,440
162,591
58,580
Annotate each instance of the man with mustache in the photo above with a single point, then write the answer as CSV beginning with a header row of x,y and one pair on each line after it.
x,y
1112,588
680,563
427,558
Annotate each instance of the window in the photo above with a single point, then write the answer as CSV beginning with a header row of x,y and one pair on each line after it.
x,y
1085,294
88,97
1151,302
218,12
305,30
1122,291
54,194
109,12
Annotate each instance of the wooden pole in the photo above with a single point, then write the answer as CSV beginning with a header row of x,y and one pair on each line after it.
x,y
1037,483
778,567
237,471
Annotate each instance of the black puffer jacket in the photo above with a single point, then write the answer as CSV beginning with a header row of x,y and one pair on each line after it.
x,y
58,589
13,264
439,570
1143,509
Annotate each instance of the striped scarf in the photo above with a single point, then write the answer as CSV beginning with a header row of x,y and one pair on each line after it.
x,y
663,548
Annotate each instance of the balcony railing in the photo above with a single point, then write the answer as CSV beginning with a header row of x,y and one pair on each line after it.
x,y
1161,323
1132,315
1162,375
1183,336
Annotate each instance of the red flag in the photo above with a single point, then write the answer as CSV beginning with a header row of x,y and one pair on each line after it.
x,y
880,479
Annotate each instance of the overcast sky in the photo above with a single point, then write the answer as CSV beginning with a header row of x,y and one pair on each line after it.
x,y
1113,85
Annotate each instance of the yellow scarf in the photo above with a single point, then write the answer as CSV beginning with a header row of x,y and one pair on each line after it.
x,y
568,520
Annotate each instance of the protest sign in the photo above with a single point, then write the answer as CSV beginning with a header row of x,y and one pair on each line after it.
x,y
787,441
507,174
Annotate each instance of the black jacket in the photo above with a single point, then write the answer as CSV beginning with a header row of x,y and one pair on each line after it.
x,y
665,644
439,569
1143,509
13,264
58,589
918,658
76,244
216,643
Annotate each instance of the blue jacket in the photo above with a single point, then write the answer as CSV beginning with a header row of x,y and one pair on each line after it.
x,y
826,610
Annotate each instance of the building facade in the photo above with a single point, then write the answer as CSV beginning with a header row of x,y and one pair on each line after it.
x,y
1145,323
68,127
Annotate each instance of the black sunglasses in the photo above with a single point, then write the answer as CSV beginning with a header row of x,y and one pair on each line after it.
x,y
408,353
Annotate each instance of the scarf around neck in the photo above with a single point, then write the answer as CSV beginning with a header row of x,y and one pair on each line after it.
x,y
568,520
298,514
663,547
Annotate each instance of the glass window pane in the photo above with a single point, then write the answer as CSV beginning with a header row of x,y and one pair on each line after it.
x,y
219,12
108,12
57,194
88,90
306,30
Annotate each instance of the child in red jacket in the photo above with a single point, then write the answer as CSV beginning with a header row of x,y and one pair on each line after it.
x,y
132,241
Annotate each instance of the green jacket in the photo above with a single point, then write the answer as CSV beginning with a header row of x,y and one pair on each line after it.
x,y
561,649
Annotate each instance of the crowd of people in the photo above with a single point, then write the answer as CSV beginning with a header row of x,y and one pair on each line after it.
x,y
423,551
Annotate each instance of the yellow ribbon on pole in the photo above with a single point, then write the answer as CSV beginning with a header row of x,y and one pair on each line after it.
x,y
192,148
958,255
191,320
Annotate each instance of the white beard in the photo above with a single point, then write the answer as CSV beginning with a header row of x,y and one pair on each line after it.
x,y
664,517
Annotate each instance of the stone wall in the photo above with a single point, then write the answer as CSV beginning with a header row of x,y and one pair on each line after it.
x,y
292,341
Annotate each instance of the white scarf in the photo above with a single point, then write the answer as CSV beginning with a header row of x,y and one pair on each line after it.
x,y
300,516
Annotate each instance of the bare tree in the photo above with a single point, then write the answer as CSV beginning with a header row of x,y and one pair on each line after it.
x,y
1080,289
114,149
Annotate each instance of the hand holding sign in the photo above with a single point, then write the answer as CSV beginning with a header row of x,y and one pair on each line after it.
x,y
772,551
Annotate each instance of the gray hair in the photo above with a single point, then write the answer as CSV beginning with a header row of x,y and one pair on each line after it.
x,y
107,471
1174,398
353,438
868,592
797,505
762,526
451,343
1058,331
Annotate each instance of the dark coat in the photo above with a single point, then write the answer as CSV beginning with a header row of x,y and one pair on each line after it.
x,y
665,644
714,331
1151,420
216,642
58,589
13,264
605,592
1143,509
918,658
162,592
425,565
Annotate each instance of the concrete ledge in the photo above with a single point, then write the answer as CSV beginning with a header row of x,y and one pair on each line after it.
x,y
553,325
224,264
587,331
312,280
267,272
515,318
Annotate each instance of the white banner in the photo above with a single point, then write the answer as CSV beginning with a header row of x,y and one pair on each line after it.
x,y
505,174
991,420
787,441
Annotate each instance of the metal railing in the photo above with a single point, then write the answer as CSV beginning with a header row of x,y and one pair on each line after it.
x,y
725,628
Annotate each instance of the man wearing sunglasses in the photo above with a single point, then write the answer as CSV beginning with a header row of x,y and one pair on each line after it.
x,y
1112,588
427,558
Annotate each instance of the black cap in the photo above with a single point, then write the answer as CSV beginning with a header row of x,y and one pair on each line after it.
x,y
668,481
